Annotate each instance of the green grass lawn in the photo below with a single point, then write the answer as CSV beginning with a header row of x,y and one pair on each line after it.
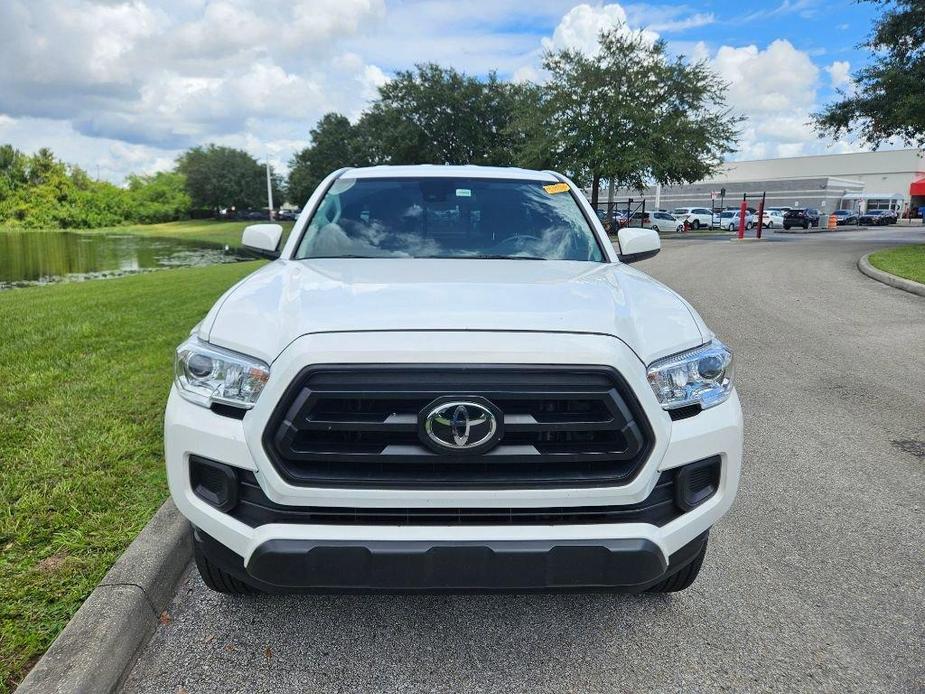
x,y
85,370
905,261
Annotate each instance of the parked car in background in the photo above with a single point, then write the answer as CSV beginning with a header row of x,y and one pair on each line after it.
x,y
772,219
287,215
805,217
639,219
728,220
696,217
611,224
878,217
663,221
843,217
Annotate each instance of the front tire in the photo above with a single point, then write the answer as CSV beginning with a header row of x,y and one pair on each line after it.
x,y
696,225
684,578
655,228
732,227
218,580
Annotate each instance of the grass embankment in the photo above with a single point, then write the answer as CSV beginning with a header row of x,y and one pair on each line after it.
x,y
905,261
85,370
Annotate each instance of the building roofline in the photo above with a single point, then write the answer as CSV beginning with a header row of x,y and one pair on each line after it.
x,y
832,154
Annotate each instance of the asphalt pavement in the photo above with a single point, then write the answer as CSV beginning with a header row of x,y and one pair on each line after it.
x,y
812,582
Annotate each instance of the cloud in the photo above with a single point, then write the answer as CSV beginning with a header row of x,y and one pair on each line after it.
x,y
581,27
839,73
803,8
165,74
667,19
775,89
128,84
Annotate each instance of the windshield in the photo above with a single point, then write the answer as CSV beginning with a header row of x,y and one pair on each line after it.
x,y
449,218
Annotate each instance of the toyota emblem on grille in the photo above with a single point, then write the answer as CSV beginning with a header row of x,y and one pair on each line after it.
x,y
461,425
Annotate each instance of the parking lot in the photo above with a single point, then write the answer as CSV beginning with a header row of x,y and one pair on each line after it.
x,y
813,582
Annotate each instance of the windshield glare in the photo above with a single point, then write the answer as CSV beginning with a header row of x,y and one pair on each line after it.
x,y
449,218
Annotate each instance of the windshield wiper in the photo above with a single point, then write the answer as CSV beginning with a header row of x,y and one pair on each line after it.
x,y
323,257
485,257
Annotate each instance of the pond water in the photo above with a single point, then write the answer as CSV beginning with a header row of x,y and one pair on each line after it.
x,y
39,257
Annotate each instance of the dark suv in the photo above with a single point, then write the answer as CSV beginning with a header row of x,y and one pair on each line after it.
x,y
806,218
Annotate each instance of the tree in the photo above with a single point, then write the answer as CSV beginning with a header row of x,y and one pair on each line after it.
x,y
221,177
160,197
629,113
887,99
41,191
437,115
334,146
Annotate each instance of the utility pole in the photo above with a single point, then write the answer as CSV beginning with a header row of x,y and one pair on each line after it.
x,y
269,189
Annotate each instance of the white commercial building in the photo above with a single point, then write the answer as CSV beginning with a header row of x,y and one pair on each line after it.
x,y
887,179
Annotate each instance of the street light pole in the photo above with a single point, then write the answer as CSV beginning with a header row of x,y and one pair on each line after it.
x,y
269,189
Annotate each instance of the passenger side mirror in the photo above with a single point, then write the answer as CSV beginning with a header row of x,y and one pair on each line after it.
x,y
637,244
263,239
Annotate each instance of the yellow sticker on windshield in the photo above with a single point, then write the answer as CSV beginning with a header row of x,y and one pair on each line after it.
x,y
556,188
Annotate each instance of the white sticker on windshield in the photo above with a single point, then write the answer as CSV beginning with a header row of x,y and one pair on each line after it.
x,y
463,193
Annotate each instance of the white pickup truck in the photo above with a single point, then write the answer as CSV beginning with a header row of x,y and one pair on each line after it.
x,y
449,378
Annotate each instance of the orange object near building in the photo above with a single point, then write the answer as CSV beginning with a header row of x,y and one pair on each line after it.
x,y
833,221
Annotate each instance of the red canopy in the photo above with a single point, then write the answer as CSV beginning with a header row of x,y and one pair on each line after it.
x,y
917,187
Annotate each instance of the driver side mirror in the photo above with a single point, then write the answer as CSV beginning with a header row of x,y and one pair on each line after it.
x,y
637,244
262,239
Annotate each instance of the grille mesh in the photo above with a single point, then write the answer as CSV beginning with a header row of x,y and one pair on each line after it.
x,y
357,425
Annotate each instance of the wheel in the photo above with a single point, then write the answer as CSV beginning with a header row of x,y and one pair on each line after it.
x,y
217,579
684,578
655,228
787,226
732,227
696,224
680,229
806,225
769,225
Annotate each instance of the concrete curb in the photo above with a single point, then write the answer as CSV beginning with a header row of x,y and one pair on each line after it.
x,y
898,282
98,647
695,234
800,230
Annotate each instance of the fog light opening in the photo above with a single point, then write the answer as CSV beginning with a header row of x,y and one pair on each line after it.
x,y
697,482
215,483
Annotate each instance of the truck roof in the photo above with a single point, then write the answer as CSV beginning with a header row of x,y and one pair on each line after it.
x,y
448,171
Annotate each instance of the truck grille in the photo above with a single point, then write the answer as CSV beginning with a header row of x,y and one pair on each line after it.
x,y
357,426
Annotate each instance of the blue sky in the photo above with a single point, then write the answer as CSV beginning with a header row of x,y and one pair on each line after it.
x,y
125,85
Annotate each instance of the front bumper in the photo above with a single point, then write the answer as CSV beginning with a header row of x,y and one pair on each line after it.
x,y
629,565
193,430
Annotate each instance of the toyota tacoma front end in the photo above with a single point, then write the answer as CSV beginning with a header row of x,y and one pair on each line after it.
x,y
450,379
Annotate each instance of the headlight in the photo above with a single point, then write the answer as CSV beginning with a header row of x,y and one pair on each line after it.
x,y
205,374
703,375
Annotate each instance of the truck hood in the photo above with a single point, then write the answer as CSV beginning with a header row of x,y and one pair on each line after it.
x,y
286,299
